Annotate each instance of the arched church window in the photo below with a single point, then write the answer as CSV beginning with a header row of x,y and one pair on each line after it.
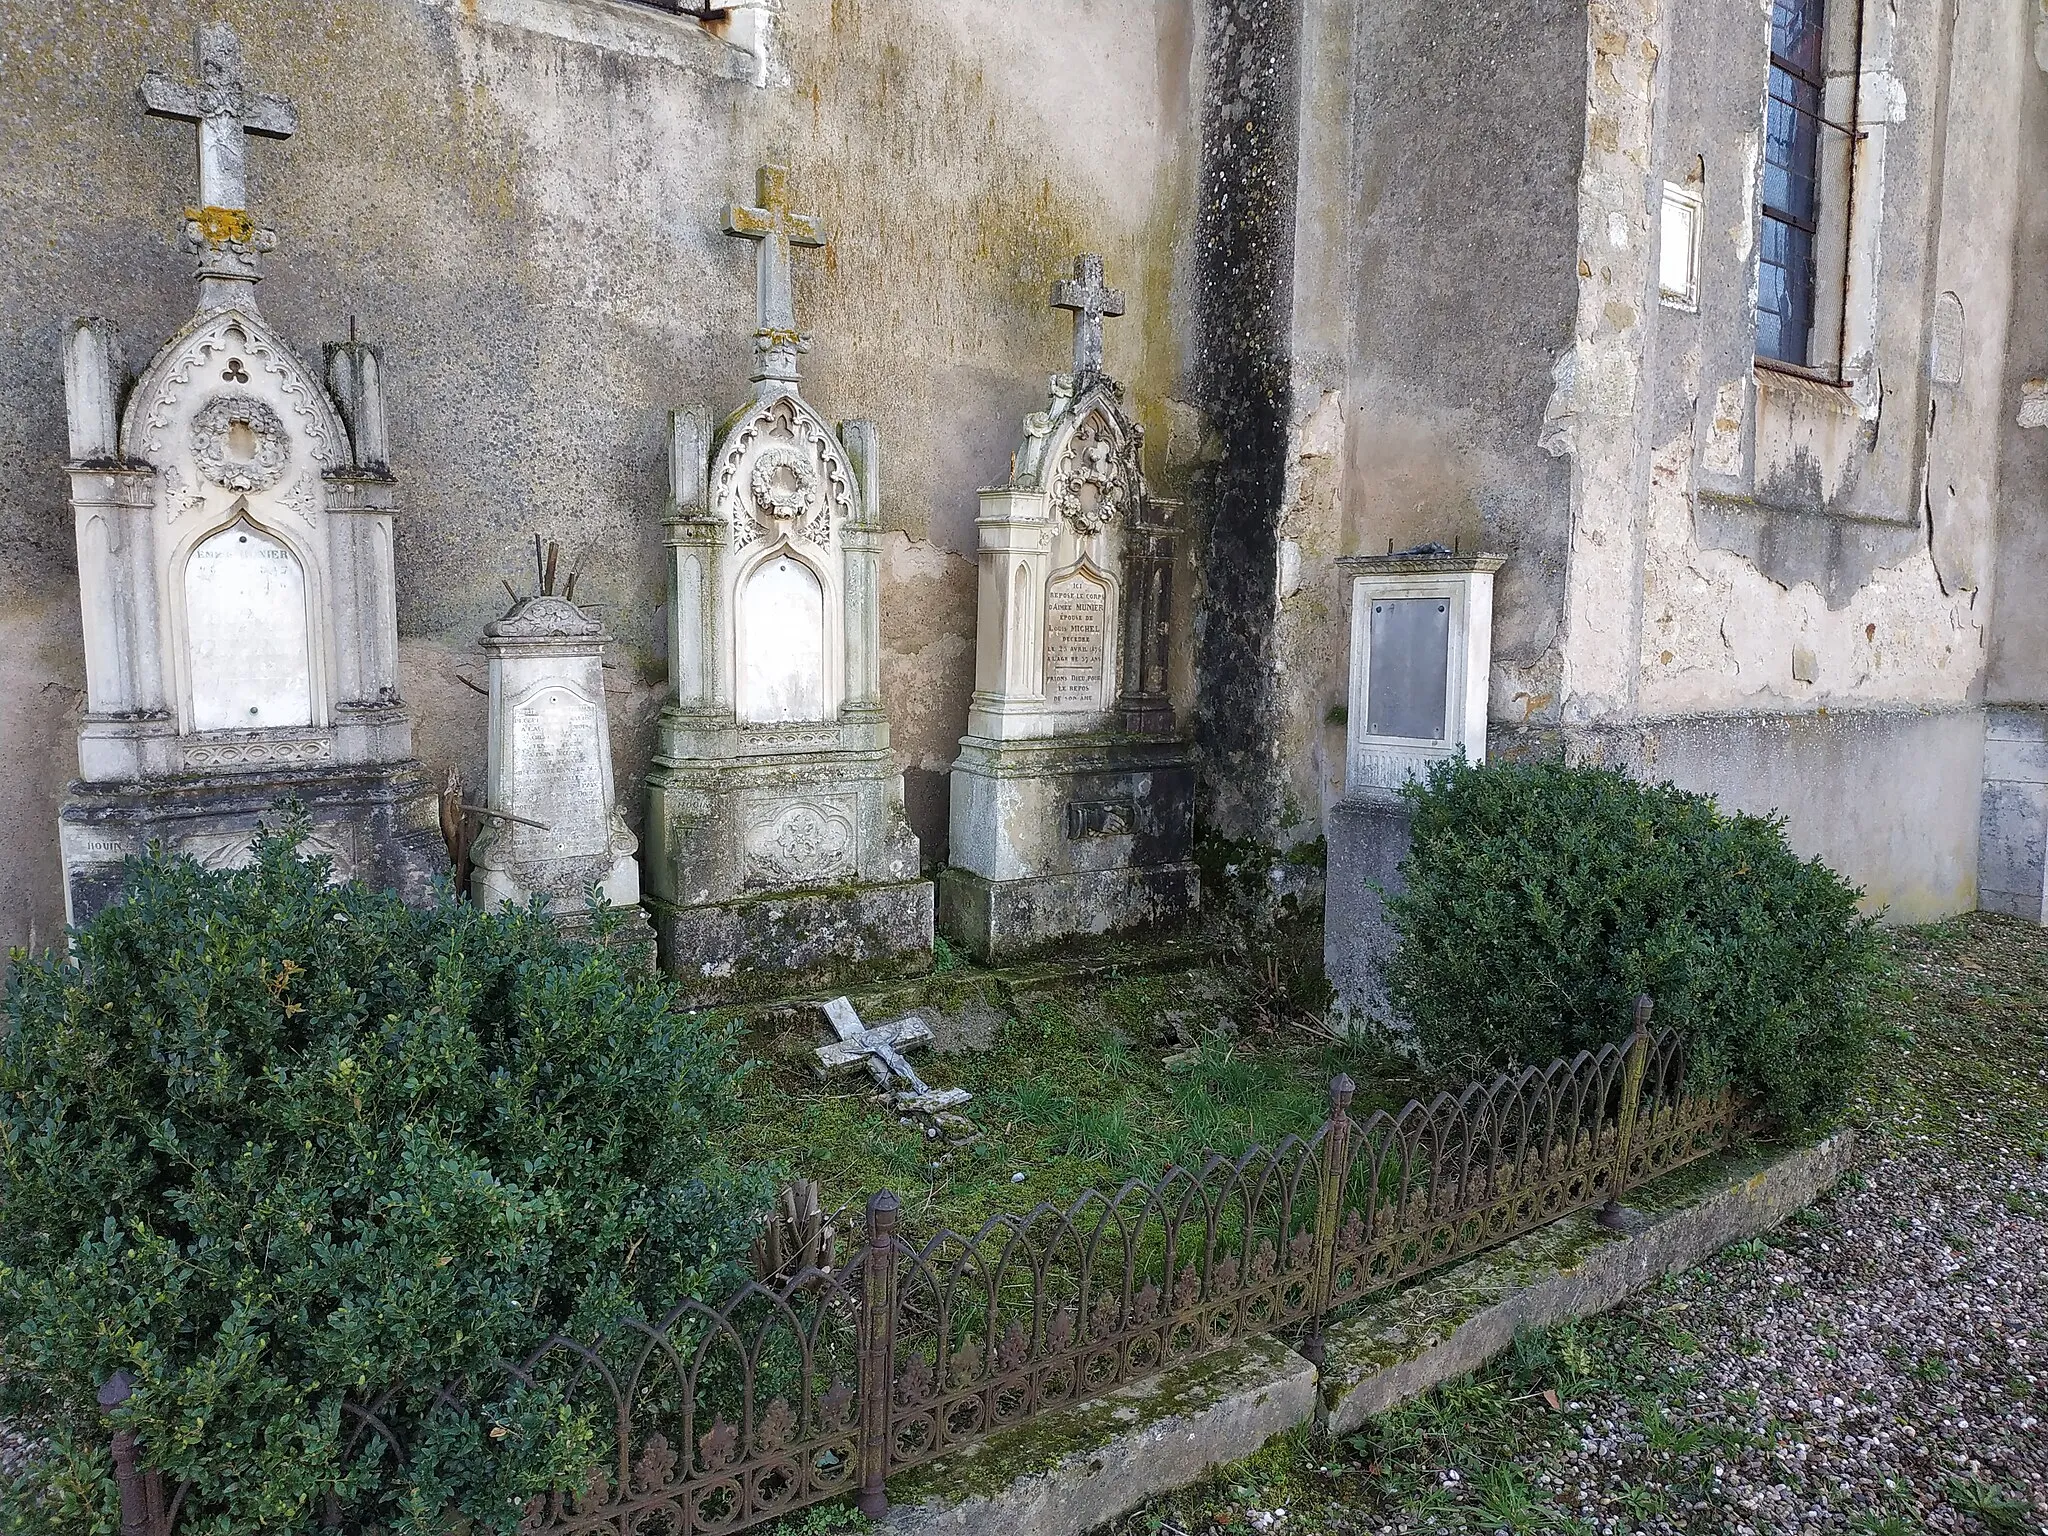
x,y
1786,282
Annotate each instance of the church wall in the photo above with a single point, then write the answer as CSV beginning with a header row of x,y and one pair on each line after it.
x,y
1785,582
2018,671
1761,589
1435,292
519,199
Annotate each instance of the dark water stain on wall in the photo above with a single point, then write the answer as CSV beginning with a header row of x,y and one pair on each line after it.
x,y
1243,300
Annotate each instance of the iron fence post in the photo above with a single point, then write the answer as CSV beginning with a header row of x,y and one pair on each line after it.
x,y
1611,1214
1332,1173
142,1498
877,1351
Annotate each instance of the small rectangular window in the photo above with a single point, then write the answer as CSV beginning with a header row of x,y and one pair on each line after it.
x,y
1678,247
1791,200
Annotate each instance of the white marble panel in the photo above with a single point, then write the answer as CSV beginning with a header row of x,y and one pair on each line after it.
x,y
779,665
245,616
1076,642
557,775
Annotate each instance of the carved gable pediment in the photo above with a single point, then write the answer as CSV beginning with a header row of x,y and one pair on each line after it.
x,y
227,413
1085,454
780,474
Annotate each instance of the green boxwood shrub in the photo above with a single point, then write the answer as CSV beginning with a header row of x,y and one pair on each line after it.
x,y
1541,899
269,1143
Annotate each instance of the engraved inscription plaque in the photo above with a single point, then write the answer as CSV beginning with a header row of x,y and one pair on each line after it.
x,y
555,775
245,616
1407,683
1076,626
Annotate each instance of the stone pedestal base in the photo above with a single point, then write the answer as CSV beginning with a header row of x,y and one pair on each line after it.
x,y
379,825
797,941
633,938
2012,841
1058,836
1003,920
1368,839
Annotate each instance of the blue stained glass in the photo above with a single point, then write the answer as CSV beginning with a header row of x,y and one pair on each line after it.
x,y
1791,195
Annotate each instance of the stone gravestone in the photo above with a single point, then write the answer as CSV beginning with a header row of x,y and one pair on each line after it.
x,y
778,854
551,821
1073,797
1421,653
234,565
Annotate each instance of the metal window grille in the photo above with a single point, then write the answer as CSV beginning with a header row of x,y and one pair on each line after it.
x,y
1791,194
700,10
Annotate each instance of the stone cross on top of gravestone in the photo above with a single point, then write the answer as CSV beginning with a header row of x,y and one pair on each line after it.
x,y
227,111
1085,294
775,228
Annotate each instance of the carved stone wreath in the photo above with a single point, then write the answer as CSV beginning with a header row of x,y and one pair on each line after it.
x,y
1091,480
252,460
777,499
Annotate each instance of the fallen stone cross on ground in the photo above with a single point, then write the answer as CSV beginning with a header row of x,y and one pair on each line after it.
x,y
880,1050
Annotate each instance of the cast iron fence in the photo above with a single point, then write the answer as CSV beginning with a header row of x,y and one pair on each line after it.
x,y
824,1383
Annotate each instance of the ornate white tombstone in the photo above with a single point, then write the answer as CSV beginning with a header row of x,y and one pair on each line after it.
x,y
551,825
777,850
1421,654
1072,799
234,565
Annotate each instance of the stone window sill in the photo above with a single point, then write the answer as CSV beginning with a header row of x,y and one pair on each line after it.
x,y
734,45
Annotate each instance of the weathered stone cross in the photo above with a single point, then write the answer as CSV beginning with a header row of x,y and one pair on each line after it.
x,y
776,229
226,109
1086,296
881,1050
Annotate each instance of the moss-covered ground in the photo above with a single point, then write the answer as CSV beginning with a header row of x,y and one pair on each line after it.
x,y
1082,1077
1879,1366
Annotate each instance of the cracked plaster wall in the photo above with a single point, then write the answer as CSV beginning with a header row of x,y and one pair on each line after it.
x,y
2018,668
1864,587
519,199
1749,545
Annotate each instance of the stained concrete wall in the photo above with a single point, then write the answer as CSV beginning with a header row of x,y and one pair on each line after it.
x,y
1887,796
1434,294
2018,671
520,200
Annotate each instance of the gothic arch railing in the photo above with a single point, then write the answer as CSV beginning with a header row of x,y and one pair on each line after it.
x,y
711,1419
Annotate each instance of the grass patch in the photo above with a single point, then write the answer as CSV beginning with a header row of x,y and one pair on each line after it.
x,y
1077,1085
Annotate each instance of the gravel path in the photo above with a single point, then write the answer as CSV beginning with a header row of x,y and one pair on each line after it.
x,y
1879,1366
1887,1363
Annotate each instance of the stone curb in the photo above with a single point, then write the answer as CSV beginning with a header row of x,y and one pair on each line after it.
x,y
1084,1465
1452,1323
1078,1467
